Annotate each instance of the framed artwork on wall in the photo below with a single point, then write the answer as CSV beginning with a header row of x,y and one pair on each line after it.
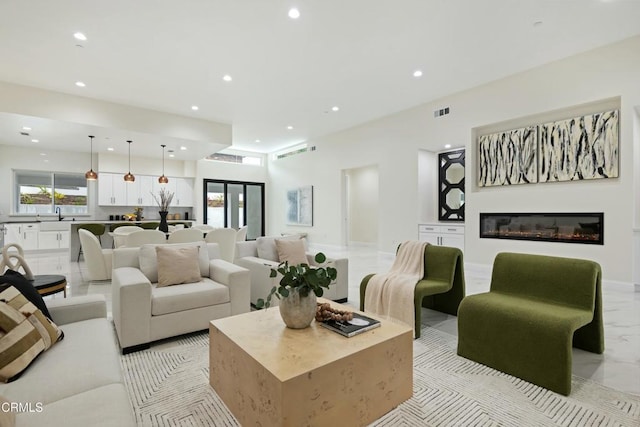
x,y
584,147
300,206
507,158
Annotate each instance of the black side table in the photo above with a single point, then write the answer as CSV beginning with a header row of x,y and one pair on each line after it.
x,y
48,284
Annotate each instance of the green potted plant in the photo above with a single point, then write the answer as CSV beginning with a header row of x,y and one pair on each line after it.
x,y
298,289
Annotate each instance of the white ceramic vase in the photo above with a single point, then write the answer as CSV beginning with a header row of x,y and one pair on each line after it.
x,y
296,311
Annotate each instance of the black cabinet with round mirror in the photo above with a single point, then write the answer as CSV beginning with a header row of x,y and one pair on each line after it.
x,y
451,186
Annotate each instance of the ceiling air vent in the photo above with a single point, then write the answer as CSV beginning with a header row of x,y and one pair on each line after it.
x,y
441,112
24,133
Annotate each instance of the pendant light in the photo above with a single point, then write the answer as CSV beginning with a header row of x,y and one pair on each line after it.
x,y
163,179
91,175
129,176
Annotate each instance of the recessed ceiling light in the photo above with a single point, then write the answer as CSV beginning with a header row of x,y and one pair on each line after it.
x,y
294,13
257,140
447,146
80,84
46,160
183,148
35,140
195,107
26,128
110,149
172,155
335,108
290,127
80,36
417,73
43,154
227,78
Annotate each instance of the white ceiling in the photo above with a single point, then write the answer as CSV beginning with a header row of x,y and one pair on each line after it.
x,y
359,55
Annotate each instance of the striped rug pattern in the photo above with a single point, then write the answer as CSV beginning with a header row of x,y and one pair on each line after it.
x,y
169,386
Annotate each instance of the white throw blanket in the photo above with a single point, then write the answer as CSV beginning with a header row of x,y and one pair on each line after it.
x,y
391,294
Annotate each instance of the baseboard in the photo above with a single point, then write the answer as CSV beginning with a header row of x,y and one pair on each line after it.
x,y
478,270
362,244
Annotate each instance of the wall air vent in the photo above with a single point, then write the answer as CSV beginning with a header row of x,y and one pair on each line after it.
x,y
292,151
441,112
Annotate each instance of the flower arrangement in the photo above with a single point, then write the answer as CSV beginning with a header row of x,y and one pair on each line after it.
x,y
163,199
303,277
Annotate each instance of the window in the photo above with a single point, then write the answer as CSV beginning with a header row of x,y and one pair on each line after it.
x,y
235,158
42,192
235,204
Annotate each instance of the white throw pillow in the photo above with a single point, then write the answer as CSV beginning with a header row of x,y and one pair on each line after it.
x,y
266,247
148,259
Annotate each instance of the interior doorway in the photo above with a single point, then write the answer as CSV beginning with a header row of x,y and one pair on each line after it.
x,y
361,206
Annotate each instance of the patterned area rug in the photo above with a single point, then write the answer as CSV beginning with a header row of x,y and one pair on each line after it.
x,y
169,386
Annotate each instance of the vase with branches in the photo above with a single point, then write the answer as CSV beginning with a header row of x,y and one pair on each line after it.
x,y
163,199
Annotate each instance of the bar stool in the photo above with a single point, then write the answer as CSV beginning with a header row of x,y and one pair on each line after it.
x,y
96,229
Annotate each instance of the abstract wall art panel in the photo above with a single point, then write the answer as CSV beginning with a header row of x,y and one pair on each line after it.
x,y
509,157
580,148
300,206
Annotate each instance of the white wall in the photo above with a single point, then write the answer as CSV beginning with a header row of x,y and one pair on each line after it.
x,y
20,158
206,169
363,204
393,143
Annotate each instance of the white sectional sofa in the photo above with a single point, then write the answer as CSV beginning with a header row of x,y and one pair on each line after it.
x,y
144,312
260,256
78,382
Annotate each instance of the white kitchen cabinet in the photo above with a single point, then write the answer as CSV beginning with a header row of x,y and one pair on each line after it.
x,y
24,234
442,235
182,189
184,192
139,191
112,189
53,240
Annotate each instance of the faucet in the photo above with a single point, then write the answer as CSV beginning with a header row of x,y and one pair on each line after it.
x,y
60,217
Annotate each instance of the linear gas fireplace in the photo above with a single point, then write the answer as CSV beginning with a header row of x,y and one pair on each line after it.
x,y
586,228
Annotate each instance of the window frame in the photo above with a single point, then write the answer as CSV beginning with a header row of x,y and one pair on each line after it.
x,y
53,177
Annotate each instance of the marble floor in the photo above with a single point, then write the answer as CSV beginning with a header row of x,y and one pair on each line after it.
x,y
618,367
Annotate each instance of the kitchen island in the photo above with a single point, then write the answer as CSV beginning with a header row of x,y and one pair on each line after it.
x,y
107,241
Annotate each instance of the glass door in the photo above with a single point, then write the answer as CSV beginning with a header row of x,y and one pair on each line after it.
x,y
235,204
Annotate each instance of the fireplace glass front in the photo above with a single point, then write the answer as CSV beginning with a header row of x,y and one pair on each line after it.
x,y
586,228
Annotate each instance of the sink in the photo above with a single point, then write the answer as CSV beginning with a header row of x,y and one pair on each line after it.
x,y
54,225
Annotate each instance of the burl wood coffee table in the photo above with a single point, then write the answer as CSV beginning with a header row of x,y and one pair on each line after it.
x,y
270,375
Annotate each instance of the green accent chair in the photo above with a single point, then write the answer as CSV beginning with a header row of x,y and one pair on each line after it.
x,y
149,225
95,229
536,308
442,287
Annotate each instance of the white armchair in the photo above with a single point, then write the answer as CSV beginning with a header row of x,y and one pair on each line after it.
x,y
144,312
98,260
260,256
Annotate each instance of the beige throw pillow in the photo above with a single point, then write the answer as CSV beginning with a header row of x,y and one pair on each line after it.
x,y
291,251
177,265
149,261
